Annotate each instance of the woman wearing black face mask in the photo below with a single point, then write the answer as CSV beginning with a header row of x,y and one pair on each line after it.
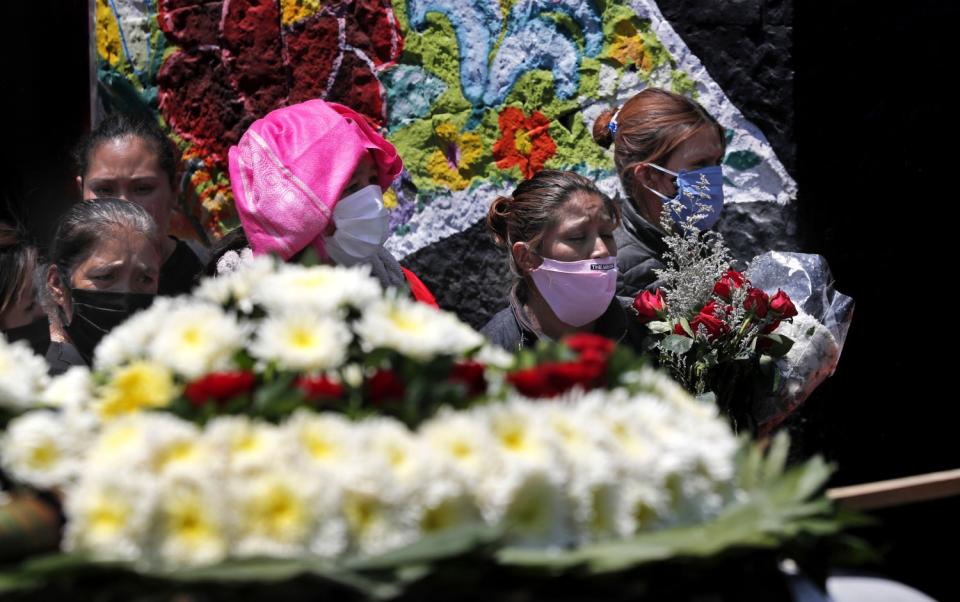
x,y
21,317
104,264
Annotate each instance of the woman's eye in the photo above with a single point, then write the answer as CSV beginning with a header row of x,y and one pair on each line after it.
x,y
143,190
103,191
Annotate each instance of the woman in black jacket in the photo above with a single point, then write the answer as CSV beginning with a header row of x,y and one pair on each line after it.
x,y
557,228
657,136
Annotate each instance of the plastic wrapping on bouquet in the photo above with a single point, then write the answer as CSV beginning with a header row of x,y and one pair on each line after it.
x,y
808,281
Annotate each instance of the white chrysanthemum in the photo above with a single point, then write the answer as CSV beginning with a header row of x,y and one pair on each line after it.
x,y
494,355
38,450
23,375
327,441
123,444
197,338
131,340
812,358
463,441
414,329
73,389
583,440
176,449
390,443
316,289
535,511
378,517
601,510
521,433
238,285
657,384
191,526
302,340
647,504
109,514
246,446
273,513
446,504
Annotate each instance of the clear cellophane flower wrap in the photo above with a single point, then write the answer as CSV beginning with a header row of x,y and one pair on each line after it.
x,y
818,331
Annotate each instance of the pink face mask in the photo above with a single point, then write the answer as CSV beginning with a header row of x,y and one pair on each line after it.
x,y
577,291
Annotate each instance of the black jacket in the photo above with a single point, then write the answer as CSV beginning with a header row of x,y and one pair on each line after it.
x,y
640,250
510,328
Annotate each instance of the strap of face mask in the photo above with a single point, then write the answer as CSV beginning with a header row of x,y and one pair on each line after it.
x,y
657,192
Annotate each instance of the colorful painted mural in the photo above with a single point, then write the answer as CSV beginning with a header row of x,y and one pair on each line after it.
x,y
475,94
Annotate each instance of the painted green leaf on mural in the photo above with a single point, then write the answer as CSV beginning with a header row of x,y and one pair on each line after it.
x,y
742,160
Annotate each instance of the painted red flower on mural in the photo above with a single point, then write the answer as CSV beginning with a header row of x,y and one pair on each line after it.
x,y
239,59
526,141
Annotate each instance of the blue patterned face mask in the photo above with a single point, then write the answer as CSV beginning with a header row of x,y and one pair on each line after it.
x,y
696,186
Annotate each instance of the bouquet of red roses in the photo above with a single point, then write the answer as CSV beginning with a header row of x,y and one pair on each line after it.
x,y
713,330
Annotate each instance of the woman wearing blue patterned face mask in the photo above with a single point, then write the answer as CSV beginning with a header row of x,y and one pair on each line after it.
x,y
666,148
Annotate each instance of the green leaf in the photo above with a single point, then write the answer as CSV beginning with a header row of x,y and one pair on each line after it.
x,y
776,458
659,327
430,548
742,160
686,327
780,345
677,344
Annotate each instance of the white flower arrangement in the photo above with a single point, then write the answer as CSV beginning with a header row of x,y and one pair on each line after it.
x,y
23,375
159,490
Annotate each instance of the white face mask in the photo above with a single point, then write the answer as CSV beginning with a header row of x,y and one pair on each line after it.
x,y
363,224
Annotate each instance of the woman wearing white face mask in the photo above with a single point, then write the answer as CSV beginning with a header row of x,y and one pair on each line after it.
x,y
666,147
312,175
558,230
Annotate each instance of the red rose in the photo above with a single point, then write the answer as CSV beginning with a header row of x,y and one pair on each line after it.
x,y
385,385
707,317
315,388
770,327
782,305
587,343
730,280
219,386
757,302
471,375
552,379
567,375
649,306
533,382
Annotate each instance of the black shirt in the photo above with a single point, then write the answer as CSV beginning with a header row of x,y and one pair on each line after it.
x,y
61,357
179,272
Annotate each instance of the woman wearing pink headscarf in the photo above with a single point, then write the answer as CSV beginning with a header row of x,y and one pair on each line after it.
x,y
312,175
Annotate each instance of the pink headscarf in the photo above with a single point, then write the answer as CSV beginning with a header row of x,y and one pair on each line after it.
x,y
290,168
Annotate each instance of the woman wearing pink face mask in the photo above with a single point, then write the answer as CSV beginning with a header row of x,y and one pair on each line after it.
x,y
557,228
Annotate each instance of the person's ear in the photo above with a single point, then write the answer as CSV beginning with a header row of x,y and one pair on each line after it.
x,y
525,259
80,186
58,291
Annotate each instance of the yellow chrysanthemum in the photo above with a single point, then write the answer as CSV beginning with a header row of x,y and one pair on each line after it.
x,y
141,385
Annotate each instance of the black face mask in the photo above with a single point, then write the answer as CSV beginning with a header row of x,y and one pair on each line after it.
x,y
95,313
37,333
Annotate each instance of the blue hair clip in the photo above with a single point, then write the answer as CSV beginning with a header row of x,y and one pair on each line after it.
x,y
612,126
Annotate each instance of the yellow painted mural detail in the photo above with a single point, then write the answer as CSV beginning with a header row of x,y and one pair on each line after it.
x,y
108,35
628,47
298,10
450,167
